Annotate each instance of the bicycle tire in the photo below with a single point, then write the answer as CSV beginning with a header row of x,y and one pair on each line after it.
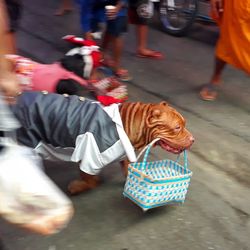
x,y
164,11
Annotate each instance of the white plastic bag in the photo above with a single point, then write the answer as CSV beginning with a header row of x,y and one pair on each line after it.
x,y
27,196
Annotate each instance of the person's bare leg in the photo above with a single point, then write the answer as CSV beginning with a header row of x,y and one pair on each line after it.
x,y
142,37
117,52
66,6
11,41
142,34
209,91
120,72
218,68
107,39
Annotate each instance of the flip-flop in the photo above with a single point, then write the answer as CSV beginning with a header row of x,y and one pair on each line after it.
x,y
209,92
123,75
104,85
152,55
62,12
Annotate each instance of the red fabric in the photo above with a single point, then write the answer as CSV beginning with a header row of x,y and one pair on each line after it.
x,y
73,39
107,100
96,55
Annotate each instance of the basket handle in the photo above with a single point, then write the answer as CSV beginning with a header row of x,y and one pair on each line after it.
x,y
185,161
147,149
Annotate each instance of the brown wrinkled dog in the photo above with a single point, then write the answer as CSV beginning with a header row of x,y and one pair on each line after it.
x,y
144,123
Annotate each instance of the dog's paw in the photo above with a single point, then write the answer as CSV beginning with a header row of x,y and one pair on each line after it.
x,y
77,186
124,165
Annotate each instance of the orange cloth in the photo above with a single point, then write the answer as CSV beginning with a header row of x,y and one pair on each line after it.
x,y
233,45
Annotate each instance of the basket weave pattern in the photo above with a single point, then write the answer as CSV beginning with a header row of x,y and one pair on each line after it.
x,y
157,183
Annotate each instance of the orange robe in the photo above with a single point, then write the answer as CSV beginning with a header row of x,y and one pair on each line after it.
x,y
233,45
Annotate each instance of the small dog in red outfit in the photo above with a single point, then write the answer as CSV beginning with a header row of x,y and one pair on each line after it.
x,y
77,73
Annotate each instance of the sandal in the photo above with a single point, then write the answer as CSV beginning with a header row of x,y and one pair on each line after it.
x,y
153,55
63,11
123,75
209,92
101,87
120,93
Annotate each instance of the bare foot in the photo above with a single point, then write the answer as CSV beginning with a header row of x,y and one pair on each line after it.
x,y
148,53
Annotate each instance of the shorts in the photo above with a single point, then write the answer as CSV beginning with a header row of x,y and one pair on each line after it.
x,y
117,26
140,11
14,11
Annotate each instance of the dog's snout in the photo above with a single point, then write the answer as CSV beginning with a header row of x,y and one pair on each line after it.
x,y
191,138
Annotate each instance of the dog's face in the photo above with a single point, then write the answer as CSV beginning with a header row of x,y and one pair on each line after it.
x,y
82,60
145,122
73,63
165,123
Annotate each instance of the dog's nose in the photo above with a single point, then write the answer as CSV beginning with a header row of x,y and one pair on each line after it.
x,y
191,139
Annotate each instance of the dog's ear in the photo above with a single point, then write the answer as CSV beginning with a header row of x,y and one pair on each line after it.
x,y
154,117
156,113
163,103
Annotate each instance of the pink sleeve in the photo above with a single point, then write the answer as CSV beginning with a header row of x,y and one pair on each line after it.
x,y
71,75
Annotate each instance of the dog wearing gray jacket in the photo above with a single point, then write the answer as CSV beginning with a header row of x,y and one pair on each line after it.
x,y
72,128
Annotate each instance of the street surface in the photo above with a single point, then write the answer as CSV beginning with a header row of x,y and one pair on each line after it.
x,y
216,214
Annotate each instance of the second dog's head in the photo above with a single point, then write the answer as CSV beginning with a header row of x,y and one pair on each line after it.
x,y
82,60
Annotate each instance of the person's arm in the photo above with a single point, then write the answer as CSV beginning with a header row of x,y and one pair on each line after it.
x,y
8,81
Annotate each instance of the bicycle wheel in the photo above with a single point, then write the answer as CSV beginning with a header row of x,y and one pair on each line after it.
x,y
177,16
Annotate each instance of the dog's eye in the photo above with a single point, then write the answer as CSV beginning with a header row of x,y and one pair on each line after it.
x,y
177,128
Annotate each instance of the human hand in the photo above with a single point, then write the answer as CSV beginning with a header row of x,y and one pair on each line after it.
x,y
30,201
217,8
111,12
9,85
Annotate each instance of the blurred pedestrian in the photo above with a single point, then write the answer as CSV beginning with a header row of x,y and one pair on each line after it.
x,y
114,15
91,16
65,7
233,45
28,197
116,26
140,12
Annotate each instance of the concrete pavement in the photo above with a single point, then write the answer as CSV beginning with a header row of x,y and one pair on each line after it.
x,y
216,212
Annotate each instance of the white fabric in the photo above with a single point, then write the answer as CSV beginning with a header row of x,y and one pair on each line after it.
x,y
88,66
49,152
88,153
92,160
7,119
85,51
113,112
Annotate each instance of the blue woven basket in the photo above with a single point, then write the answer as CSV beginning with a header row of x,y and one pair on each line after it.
x,y
157,183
